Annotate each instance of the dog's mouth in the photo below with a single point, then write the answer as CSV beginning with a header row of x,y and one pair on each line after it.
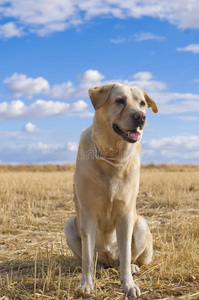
x,y
130,136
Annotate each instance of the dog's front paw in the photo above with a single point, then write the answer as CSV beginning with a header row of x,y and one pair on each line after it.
x,y
135,269
131,289
86,284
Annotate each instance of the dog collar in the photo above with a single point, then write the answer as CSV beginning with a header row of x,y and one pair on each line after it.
x,y
104,158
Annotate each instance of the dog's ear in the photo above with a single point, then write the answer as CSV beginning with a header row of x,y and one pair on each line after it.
x,y
99,95
151,103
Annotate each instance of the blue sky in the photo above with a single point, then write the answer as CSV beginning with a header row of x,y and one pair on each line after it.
x,y
52,52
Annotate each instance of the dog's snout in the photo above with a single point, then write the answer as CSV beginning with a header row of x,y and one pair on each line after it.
x,y
139,116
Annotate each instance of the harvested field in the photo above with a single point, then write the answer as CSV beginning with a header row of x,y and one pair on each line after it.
x,y
36,263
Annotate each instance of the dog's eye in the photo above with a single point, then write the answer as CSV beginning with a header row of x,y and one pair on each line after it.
x,y
120,101
142,103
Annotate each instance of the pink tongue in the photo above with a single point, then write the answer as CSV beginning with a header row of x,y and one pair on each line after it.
x,y
134,136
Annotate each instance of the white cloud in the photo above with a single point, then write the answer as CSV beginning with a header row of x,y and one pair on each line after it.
x,y
138,38
143,76
7,134
39,108
144,36
49,28
144,81
20,84
43,147
29,153
37,152
79,105
172,149
118,41
194,48
83,114
179,149
168,102
179,107
9,30
44,17
183,13
90,76
175,103
62,91
73,146
87,80
67,91
30,127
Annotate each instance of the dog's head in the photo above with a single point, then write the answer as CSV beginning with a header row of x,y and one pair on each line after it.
x,y
122,109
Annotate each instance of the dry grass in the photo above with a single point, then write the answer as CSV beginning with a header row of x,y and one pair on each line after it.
x,y
35,262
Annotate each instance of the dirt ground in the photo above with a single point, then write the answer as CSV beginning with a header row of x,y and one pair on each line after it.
x,y
36,263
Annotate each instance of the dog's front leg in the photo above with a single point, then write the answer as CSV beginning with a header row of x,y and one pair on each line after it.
x,y
124,228
88,230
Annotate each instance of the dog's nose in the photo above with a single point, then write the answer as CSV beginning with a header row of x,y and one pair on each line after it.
x,y
139,116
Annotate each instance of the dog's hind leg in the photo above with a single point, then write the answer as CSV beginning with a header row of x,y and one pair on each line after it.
x,y
73,237
142,243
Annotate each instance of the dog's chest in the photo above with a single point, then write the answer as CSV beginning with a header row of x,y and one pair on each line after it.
x,y
118,195
118,190
117,199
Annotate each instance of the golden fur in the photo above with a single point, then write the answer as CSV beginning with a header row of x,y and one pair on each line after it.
x,y
106,183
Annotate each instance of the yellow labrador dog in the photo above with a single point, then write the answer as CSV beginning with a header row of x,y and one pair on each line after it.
x,y
106,183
